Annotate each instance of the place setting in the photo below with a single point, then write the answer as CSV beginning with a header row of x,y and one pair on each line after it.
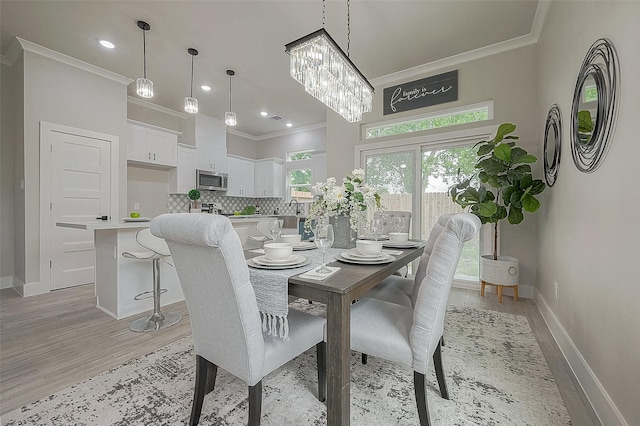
x,y
278,256
296,241
367,252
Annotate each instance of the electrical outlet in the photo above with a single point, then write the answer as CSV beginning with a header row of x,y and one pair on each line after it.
x,y
556,289
136,206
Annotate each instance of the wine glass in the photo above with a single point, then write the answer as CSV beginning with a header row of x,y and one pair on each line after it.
x,y
377,226
324,240
275,229
398,223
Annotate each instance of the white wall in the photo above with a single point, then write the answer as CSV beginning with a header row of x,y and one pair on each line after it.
x,y
58,93
238,145
587,245
278,146
149,188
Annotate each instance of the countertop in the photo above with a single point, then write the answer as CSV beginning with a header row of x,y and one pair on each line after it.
x,y
104,224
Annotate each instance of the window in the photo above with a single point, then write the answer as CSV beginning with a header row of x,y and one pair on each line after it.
x,y
451,117
299,155
299,185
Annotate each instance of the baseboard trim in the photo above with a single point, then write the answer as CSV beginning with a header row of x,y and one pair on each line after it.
x,y
524,291
32,289
6,282
597,395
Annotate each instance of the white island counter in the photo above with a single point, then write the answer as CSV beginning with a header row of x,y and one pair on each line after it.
x,y
119,280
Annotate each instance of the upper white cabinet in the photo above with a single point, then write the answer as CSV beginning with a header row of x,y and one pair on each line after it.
x,y
209,136
184,178
151,145
240,179
268,178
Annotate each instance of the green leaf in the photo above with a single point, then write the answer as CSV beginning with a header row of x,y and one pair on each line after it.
x,y
527,159
516,154
484,150
492,166
526,181
515,215
530,203
506,194
349,186
503,152
503,130
537,186
487,208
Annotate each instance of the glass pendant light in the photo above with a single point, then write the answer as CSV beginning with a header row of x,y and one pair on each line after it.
x,y
191,103
144,86
230,116
327,73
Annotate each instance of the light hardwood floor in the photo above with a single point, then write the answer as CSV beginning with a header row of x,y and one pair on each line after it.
x,y
52,341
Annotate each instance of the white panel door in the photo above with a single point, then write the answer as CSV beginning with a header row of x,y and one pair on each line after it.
x,y
80,192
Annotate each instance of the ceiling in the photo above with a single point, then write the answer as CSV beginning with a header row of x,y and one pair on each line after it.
x,y
249,37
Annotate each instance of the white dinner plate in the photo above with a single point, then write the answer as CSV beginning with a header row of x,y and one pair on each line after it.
x,y
355,254
304,245
253,264
136,219
294,259
408,244
388,259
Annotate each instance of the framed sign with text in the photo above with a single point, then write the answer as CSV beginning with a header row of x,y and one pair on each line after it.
x,y
428,91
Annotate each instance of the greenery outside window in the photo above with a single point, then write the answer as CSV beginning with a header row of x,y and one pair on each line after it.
x,y
299,155
467,114
299,185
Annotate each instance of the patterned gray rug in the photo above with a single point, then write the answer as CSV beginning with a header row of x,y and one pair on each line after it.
x,y
495,371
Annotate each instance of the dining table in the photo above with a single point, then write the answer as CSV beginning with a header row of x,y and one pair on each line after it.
x,y
338,292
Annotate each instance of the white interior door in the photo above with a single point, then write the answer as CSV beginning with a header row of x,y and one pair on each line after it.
x,y
80,192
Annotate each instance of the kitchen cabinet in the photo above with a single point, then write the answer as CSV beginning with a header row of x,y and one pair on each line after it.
x,y
184,178
209,136
151,145
268,178
240,179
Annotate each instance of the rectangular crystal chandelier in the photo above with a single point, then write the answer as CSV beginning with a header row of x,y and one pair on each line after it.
x,y
320,65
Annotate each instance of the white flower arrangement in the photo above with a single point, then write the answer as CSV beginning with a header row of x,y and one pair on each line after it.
x,y
352,198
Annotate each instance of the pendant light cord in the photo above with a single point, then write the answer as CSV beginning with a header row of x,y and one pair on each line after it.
x,y
144,53
230,110
324,6
192,75
348,26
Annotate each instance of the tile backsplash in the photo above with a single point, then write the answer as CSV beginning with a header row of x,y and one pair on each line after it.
x,y
178,203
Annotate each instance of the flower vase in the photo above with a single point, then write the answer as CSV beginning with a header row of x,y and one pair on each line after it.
x,y
344,237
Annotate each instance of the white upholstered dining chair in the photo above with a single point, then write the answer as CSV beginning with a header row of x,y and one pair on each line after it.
x,y
225,322
411,336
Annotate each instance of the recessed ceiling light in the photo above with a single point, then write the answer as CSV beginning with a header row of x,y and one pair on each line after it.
x,y
264,113
289,124
205,88
107,44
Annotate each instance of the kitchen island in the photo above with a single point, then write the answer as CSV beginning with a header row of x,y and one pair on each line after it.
x,y
118,279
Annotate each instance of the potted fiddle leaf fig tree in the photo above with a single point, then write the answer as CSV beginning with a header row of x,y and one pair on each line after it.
x,y
502,187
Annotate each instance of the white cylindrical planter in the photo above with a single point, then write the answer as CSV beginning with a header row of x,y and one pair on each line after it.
x,y
504,271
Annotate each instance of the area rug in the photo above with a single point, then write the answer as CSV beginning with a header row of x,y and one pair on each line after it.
x,y
495,371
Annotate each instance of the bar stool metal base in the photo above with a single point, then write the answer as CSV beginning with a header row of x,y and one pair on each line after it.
x,y
155,322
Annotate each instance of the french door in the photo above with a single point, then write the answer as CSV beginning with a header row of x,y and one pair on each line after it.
x,y
416,176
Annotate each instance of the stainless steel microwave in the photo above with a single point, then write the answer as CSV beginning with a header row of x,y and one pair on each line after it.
x,y
211,181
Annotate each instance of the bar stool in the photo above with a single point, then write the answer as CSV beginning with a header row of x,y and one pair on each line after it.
x,y
157,249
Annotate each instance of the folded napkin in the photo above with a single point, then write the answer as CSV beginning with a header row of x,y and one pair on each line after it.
x,y
313,275
392,252
261,251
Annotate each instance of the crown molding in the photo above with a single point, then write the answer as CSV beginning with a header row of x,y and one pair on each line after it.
x,y
156,107
276,134
65,59
452,61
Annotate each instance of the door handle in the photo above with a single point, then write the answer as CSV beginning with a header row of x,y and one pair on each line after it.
x,y
103,218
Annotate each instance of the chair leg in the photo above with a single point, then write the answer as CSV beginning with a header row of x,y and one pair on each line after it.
x,y
364,359
442,341
255,404
212,372
437,362
321,356
482,284
202,366
421,398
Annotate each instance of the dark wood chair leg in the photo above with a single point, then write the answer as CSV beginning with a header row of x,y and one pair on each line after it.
x,y
255,404
437,362
421,398
321,356
202,365
365,358
212,372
